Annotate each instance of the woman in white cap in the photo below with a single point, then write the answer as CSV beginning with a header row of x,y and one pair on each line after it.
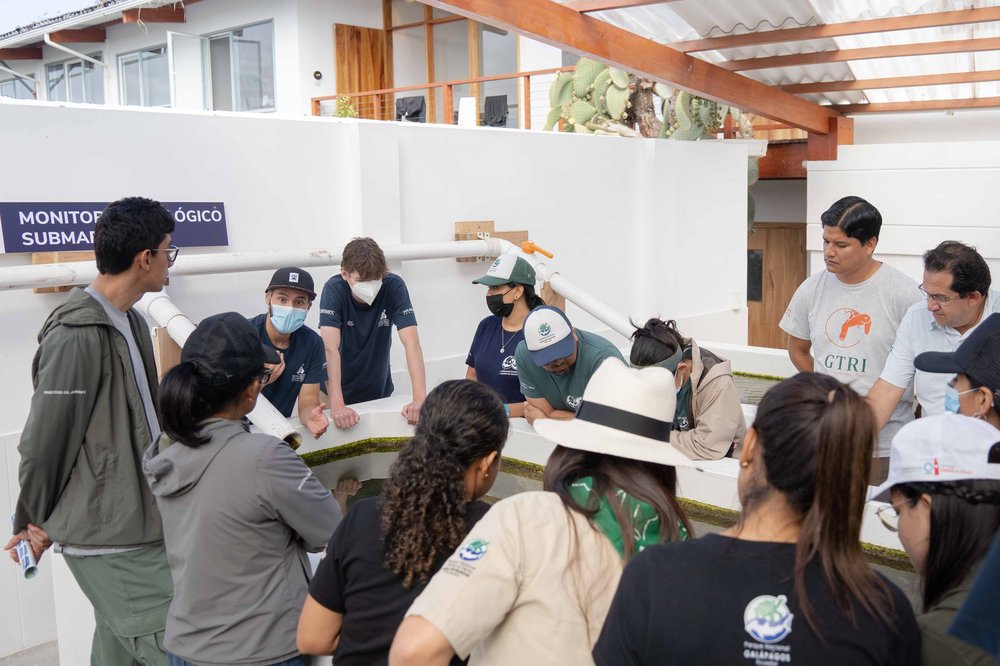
x,y
794,554
239,510
532,582
944,486
510,296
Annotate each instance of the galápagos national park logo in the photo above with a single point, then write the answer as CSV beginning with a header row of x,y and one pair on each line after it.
x,y
768,619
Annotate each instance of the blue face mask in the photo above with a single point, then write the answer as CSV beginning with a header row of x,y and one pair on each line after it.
x,y
951,402
287,320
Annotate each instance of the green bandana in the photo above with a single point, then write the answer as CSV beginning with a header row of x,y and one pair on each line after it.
x,y
646,524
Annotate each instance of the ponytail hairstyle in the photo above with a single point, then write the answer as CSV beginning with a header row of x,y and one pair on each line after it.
x,y
424,499
531,299
657,341
187,399
816,436
654,484
965,518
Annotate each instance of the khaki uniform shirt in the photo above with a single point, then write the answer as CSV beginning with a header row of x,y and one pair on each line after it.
x,y
531,584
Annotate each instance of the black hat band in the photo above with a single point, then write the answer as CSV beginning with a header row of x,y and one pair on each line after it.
x,y
619,419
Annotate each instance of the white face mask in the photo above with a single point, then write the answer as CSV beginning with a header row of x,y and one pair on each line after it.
x,y
367,291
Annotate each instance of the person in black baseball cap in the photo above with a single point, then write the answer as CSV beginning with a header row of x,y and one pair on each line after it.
x,y
240,510
302,367
975,389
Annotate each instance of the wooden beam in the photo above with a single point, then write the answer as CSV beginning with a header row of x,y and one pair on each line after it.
x,y
21,53
824,146
865,27
866,53
559,26
473,47
84,35
431,110
783,161
927,105
585,6
166,14
893,82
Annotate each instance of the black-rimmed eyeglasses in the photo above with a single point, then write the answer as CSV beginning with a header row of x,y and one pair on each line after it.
x,y
171,251
265,375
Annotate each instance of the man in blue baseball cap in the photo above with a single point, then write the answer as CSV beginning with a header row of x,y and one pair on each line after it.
x,y
555,363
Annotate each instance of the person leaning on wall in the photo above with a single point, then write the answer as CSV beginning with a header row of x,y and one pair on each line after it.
x,y
789,583
842,321
946,518
532,581
510,296
956,289
92,415
357,311
240,510
386,550
708,420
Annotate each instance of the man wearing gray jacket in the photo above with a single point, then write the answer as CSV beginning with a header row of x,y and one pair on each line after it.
x,y
92,415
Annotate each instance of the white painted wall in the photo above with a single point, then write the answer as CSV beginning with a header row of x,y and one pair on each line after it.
x,y
627,234
928,127
927,193
780,200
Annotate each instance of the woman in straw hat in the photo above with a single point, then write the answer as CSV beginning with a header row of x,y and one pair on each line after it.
x,y
944,485
532,582
793,555
239,510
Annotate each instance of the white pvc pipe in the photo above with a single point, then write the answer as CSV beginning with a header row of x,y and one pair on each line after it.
x,y
70,51
264,416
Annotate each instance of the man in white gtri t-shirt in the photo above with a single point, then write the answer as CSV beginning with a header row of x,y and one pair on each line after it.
x,y
842,321
957,296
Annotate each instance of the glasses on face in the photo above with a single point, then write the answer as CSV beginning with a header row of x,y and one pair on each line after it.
x,y
171,251
265,375
937,298
889,517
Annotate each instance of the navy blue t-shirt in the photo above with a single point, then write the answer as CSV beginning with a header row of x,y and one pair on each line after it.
x,y
305,363
365,334
492,357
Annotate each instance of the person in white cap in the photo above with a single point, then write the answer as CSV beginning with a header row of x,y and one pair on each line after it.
x,y
555,362
532,582
510,296
944,486
789,583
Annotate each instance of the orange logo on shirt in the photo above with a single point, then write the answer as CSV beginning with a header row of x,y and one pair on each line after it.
x,y
846,327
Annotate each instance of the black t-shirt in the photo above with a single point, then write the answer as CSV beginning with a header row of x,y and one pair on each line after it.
x,y
365,334
492,357
352,580
305,363
719,600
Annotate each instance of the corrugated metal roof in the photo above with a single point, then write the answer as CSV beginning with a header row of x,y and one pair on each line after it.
x,y
697,19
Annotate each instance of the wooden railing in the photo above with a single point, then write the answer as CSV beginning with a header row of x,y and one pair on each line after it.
x,y
380,104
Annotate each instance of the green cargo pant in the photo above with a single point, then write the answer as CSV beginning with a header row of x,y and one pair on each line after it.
x,y
131,593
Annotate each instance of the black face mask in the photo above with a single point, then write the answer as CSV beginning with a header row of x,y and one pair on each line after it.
x,y
497,306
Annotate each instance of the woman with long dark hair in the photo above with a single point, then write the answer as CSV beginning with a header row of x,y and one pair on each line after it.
x,y
510,296
532,582
947,516
239,510
794,555
387,549
708,420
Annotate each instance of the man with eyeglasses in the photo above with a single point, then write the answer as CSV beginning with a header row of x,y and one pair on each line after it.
x,y
92,416
555,362
957,297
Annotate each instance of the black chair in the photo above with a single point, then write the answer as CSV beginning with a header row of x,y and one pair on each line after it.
x,y
411,109
496,111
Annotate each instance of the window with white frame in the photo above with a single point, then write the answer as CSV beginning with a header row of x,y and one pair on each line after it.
x,y
144,78
242,68
19,88
76,80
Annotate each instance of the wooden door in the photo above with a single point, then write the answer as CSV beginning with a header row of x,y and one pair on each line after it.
x,y
776,266
364,62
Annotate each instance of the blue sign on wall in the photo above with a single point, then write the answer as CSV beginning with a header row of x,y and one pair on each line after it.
x,y
60,227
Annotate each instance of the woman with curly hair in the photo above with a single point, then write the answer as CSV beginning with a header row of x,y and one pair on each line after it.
x,y
385,551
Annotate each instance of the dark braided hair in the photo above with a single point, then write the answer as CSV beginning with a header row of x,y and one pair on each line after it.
x,y
965,518
424,500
